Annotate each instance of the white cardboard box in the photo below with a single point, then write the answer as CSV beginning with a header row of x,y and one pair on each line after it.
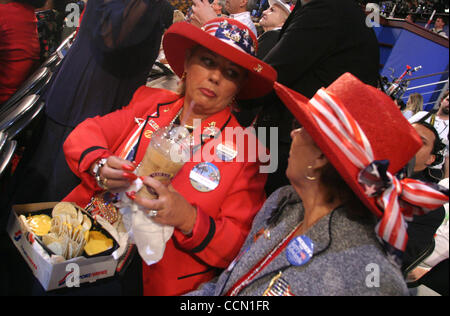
x,y
54,276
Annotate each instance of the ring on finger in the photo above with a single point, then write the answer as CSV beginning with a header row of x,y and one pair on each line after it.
x,y
104,183
152,213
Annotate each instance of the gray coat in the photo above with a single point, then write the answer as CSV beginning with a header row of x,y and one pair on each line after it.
x,y
353,264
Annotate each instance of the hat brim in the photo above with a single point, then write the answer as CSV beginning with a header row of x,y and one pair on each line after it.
x,y
182,36
390,134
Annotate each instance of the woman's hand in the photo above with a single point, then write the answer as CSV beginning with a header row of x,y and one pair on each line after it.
x,y
116,174
172,208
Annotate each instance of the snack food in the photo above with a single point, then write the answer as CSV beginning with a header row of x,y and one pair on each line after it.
x,y
65,208
39,224
69,231
66,233
97,243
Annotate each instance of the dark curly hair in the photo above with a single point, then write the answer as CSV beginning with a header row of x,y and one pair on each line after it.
x,y
438,145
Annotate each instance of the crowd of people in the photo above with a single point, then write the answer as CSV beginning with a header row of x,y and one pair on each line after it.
x,y
358,182
421,12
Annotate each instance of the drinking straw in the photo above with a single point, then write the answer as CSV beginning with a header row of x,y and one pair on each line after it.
x,y
188,113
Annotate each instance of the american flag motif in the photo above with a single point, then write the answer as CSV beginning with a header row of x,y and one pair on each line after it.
x,y
231,34
278,287
400,199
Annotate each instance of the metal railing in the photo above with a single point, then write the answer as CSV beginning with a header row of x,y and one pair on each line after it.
x,y
433,88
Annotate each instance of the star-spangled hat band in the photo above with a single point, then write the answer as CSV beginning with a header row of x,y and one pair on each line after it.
x,y
242,39
354,146
228,38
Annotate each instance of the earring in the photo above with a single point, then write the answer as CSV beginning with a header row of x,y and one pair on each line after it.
x,y
233,103
310,178
183,76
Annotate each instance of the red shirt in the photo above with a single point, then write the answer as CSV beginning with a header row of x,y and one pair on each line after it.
x,y
19,46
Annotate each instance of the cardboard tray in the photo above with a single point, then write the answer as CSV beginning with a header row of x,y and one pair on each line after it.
x,y
56,275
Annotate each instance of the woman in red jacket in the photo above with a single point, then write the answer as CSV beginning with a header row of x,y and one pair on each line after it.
x,y
19,44
216,64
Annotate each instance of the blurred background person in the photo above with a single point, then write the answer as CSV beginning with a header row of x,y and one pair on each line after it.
x,y
219,7
113,52
271,21
410,18
432,272
182,5
239,10
439,27
429,154
439,120
19,44
422,229
413,105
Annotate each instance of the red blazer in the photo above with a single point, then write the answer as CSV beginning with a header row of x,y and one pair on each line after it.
x,y
224,214
19,46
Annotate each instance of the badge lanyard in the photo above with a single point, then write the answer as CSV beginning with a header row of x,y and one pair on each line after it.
x,y
250,277
247,278
130,149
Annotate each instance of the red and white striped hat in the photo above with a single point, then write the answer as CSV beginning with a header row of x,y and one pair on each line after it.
x,y
366,138
228,38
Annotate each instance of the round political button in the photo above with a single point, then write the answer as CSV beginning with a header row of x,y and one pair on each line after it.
x,y
300,250
205,177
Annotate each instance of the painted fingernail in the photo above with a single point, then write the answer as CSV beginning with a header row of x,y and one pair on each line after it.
x,y
129,176
131,195
126,167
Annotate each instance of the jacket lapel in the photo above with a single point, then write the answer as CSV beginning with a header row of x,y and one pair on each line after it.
x,y
164,114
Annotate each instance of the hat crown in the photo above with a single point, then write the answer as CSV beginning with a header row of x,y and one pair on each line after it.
x,y
390,135
285,6
227,38
233,33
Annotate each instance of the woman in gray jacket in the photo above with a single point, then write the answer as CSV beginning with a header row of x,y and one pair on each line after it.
x,y
339,228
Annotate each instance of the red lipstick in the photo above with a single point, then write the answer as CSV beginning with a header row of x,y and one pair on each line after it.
x,y
207,92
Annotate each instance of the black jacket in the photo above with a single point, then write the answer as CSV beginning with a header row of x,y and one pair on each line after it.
x,y
321,41
266,42
318,43
421,230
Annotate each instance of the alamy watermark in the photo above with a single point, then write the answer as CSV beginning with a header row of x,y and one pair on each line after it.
x,y
73,278
373,276
373,17
73,17
230,144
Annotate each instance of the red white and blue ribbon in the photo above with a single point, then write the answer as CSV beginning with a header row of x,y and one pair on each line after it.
x,y
399,199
